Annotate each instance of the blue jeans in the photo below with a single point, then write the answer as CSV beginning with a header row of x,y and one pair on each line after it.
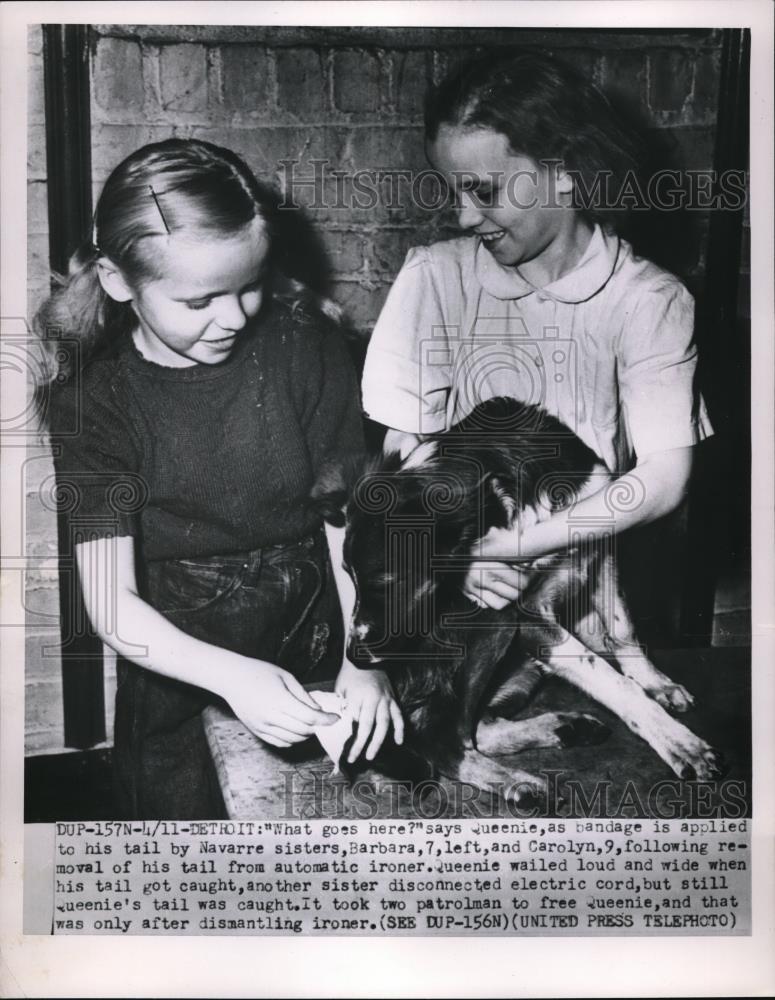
x,y
278,604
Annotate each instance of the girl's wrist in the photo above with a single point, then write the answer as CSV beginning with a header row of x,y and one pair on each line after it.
x,y
236,674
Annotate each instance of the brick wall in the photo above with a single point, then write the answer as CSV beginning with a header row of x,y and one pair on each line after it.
x,y
352,97
43,702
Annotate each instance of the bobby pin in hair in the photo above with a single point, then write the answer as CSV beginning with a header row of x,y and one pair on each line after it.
x,y
156,200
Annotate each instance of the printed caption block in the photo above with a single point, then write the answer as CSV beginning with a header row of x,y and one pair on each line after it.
x,y
369,878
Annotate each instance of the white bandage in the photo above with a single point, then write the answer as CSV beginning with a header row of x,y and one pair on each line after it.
x,y
334,737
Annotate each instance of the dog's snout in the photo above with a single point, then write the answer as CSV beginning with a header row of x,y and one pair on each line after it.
x,y
361,630
358,651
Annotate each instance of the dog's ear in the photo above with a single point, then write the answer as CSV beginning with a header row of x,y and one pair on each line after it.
x,y
500,503
333,487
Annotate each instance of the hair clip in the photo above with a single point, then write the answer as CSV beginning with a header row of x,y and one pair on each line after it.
x,y
94,243
158,206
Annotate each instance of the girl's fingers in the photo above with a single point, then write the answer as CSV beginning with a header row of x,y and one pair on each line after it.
x,y
380,731
289,722
277,737
502,589
365,723
309,714
495,601
299,692
398,722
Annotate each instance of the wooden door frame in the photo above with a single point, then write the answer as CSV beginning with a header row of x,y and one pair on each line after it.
x,y
66,50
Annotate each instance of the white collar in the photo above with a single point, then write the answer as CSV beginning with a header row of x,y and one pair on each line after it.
x,y
589,275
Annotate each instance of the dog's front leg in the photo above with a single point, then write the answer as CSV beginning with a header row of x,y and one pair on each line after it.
x,y
485,647
689,756
617,638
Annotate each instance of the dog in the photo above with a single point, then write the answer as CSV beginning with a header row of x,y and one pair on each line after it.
x,y
461,672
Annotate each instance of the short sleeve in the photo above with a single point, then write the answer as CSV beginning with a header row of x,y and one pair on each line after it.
x,y
96,462
407,373
657,368
330,403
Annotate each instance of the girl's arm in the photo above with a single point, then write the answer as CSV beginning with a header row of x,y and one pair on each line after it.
x,y
369,693
654,488
269,700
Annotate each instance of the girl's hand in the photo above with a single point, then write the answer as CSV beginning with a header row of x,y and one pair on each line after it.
x,y
495,584
370,699
273,705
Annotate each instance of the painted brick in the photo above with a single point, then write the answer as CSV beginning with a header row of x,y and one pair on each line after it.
x,y
324,202
453,58
670,79
264,148
37,208
344,251
411,71
690,148
43,713
585,61
37,293
183,77
704,100
43,655
244,78
37,258
301,82
35,40
361,302
623,78
36,153
38,472
40,522
113,143
118,75
402,37
35,90
389,249
388,148
42,612
357,81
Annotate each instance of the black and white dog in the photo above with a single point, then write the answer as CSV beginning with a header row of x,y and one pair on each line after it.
x,y
460,672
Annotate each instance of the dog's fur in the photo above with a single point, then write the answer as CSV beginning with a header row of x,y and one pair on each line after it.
x,y
460,672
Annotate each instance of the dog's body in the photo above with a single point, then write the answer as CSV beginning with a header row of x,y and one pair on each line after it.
x,y
461,673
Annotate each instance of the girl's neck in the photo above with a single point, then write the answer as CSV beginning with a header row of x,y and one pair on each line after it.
x,y
561,255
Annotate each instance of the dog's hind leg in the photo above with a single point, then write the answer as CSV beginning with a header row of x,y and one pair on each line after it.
x,y
498,732
484,651
514,686
689,756
509,784
613,635
496,737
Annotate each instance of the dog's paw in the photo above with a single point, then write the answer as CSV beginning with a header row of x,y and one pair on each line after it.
x,y
527,791
709,766
579,730
691,757
508,784
674,698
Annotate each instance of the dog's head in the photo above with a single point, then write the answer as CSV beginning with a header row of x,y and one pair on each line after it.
x,y
412,522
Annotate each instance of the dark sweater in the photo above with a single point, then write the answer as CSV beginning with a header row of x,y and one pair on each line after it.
x,y
208,459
